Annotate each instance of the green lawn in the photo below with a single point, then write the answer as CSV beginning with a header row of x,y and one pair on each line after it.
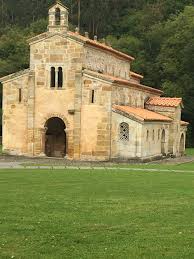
x,y
96,214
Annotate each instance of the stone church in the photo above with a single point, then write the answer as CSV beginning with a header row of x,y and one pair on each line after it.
x,y
80,100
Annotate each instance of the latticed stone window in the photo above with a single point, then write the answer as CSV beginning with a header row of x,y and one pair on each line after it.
x,y
124,131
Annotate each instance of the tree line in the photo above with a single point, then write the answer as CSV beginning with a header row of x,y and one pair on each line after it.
x,y
159,34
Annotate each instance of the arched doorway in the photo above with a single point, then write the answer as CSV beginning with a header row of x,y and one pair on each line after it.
x,y
55,139
182,145
163,137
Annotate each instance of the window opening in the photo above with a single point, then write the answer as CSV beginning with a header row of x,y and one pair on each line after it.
x,y
124,131
20,95
147,137
93,96
57,16
60,77
52,77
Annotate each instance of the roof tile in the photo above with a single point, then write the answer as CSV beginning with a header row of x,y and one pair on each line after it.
x,y
163,101
122,81
141,114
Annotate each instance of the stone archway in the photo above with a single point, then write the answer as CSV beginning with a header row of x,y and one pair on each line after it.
x,y
163,139
55,137
182,145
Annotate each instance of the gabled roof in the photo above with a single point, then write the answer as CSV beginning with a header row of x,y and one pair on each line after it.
x,y
45,35
140,114
165,102
81,39
122,81
59,3
14,75
97,44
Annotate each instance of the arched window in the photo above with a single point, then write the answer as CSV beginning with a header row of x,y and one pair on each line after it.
x,y
57,16
106,68
124,131
129,100
153,136
53,77
147,136
60,77
163,140
159,134
182,145
113,70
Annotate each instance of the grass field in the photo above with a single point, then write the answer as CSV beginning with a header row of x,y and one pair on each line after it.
x,y
96,214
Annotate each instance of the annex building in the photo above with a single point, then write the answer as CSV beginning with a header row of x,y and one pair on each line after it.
x,y
79,99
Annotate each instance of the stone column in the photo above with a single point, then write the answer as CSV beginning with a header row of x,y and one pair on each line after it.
x,y
56,76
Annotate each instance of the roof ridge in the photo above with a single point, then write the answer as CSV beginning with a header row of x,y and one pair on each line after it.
x,y
101,45
162,97
119,80
58,2
14,75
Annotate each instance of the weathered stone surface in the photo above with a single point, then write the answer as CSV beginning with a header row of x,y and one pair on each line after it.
x,y
84,103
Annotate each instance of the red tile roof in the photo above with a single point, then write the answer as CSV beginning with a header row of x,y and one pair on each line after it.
x,y
163,101
141,114
100,45
122,81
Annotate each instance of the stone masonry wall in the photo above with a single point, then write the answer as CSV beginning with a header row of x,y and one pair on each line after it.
x,y
95,119
97,139
123,95
15,116
175,127
126,149
152,139
60,102
101,61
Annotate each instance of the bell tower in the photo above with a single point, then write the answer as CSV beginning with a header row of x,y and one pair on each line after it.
x,y
58,18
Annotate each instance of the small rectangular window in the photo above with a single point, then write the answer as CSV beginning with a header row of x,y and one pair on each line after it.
x,y
93,96
20,95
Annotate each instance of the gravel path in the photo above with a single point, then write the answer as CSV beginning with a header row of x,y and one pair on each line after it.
x,y
15,162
